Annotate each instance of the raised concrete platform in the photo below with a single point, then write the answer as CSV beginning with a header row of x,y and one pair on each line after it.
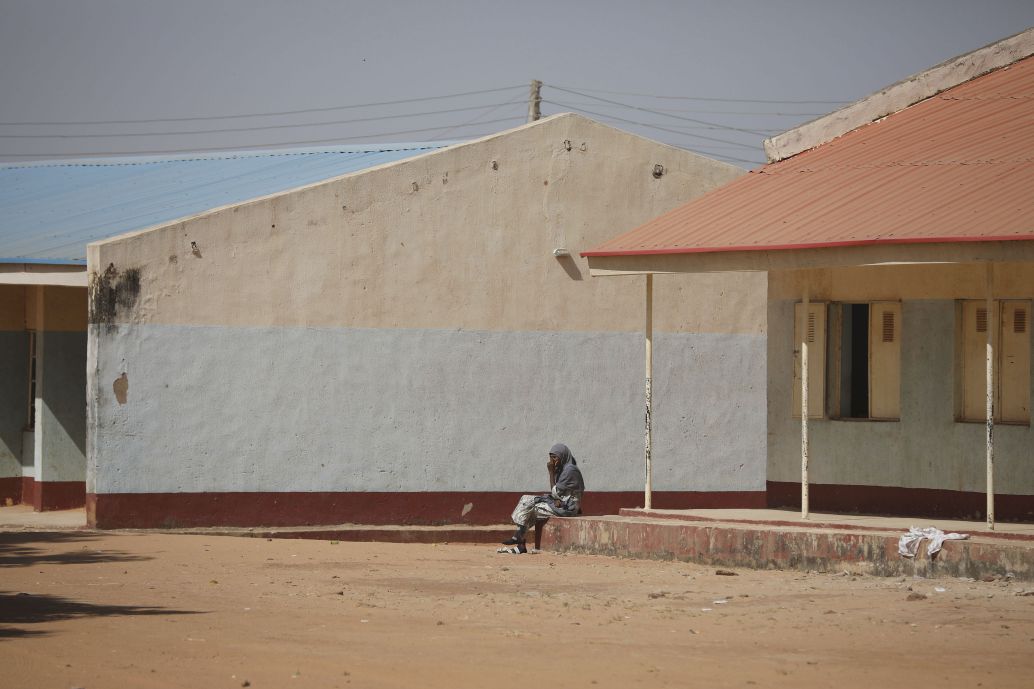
x,y
776,539
392,533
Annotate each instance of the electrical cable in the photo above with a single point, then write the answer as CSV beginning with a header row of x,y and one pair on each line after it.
x,y
719,100
268,114
657,112
476,118
758,113
244,129
250,146
653,126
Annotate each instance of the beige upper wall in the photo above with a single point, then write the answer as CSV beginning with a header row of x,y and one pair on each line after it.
x,y
458,238
871,283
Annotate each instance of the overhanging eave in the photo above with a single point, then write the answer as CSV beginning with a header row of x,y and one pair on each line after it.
x,y
807,258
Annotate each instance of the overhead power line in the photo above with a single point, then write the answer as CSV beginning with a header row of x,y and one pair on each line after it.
x,y
716,100
335,140
268,114
477,118
652,126
658,112
755,113
223,130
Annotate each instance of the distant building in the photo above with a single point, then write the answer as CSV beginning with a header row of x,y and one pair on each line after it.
x,y
898,238
404,342
50,211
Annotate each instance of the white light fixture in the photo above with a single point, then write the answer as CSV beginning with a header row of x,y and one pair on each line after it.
x,y
561,252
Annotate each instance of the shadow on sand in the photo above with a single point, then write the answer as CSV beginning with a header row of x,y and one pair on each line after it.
x,y
37,548
24,548
29,608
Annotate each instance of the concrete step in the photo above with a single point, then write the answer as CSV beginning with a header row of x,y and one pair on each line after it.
x,y
786,546
390,533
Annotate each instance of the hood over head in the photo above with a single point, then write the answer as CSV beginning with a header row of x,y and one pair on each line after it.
x,y
563,454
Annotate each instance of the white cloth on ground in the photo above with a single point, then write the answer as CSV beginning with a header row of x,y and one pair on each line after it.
x,y
908,545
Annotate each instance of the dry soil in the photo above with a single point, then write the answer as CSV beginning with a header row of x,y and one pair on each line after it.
x,y
82,609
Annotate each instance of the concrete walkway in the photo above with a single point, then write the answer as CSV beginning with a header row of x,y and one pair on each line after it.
x,y
860,522
23,518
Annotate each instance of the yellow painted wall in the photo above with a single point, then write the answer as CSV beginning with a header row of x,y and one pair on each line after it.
x,y
64,308
12,307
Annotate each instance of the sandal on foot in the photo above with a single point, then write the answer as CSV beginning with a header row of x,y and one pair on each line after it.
x,y
514,549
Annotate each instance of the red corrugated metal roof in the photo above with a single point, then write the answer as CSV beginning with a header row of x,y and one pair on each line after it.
x,y
956,167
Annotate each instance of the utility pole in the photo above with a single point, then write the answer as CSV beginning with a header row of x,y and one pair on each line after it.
x,y
534,100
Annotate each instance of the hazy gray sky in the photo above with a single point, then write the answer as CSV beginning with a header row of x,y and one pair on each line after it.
x,y
91,62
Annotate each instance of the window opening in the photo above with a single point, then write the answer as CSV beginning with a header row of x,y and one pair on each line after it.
x,y
854,361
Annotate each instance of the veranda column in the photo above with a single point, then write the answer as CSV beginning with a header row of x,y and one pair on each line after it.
x,y
804,404
992,326
648,450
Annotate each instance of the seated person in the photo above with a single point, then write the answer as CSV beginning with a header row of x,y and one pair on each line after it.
x,y
564,500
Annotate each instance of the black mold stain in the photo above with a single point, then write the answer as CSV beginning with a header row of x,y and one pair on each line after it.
x,y
113,292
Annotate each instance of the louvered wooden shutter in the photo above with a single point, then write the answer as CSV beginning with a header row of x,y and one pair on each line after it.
x,y
884,360
1013,384
813,327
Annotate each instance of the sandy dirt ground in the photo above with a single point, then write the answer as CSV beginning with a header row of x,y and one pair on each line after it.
x,y
80,609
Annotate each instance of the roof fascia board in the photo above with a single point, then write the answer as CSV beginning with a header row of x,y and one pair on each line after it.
x,y
36,274
840,257
899,96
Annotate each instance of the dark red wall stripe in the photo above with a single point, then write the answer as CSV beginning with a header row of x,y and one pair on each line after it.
x,y
44,496
905,502
172,510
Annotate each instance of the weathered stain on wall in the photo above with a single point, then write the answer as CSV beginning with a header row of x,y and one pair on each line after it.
x,y
112,293
121,388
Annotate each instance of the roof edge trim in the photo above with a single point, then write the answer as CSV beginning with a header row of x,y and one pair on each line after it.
x,y
899,96
44,261
815,245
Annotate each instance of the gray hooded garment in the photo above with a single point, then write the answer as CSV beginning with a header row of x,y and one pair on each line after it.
x,y
569,483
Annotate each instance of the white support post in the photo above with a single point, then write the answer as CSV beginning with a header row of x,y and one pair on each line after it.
x,y
992,327
41,423
648,330
804,405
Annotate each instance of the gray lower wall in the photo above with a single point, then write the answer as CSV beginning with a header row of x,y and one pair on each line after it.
x,y
61,424
925,449
328,409
14,391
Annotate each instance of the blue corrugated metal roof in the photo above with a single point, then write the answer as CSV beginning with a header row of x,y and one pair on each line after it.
x,y
50,211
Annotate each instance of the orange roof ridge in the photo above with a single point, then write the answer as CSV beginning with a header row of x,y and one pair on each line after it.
x,y
956,167
899,96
